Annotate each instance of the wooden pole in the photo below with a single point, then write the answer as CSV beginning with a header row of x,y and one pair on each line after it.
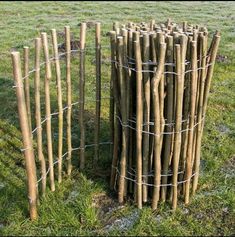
x,y
153,68
114,86
123,160
178,122
185,125
38,113
48,109
98,95
131,97
183,40
69,100
27,140
203,51
146,113
126,95
199,82
169,116
209,75
82,96
27,85
139,120
152,23
185,26
161,98
157,125
191,120
60,105
116,27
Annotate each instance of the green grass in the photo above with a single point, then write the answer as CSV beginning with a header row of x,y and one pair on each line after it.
x,y
80,204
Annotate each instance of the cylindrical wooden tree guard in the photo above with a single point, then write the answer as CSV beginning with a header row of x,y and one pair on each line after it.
x,y
160,108
159,88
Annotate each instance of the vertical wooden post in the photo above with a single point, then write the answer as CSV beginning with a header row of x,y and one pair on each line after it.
x,y
185,26
139,120
169,116
38,113
131,100
48,109
114,86
209,75
27,84
98,94
26,134
69,100
146,113
152,23
161,39
123,159
186,109
82,96
178,122
183,39
203,52
157,125
116,27
60,105
126,94
153,51
191,120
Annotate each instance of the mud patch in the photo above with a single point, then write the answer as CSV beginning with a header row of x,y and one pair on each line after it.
x,y
109,214
105,205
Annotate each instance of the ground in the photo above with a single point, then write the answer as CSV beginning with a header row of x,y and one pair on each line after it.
x,y
83,203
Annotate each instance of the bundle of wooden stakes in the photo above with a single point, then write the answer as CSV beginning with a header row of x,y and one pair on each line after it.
x,y
161,76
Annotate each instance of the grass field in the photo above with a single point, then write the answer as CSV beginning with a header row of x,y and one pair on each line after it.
x,y
83,204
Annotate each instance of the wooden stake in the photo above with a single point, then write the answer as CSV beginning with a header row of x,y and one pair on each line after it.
x,y
146,113
139,120
183,39
48,109
191,120
69,100
153,68
60,105
202,61
186,106
157,126
123,160
115,92
98,95
116,27
126,79
130,91
169,117
178,121
185,26
209,75
152,23
38,113
27,84
27,140
82,97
